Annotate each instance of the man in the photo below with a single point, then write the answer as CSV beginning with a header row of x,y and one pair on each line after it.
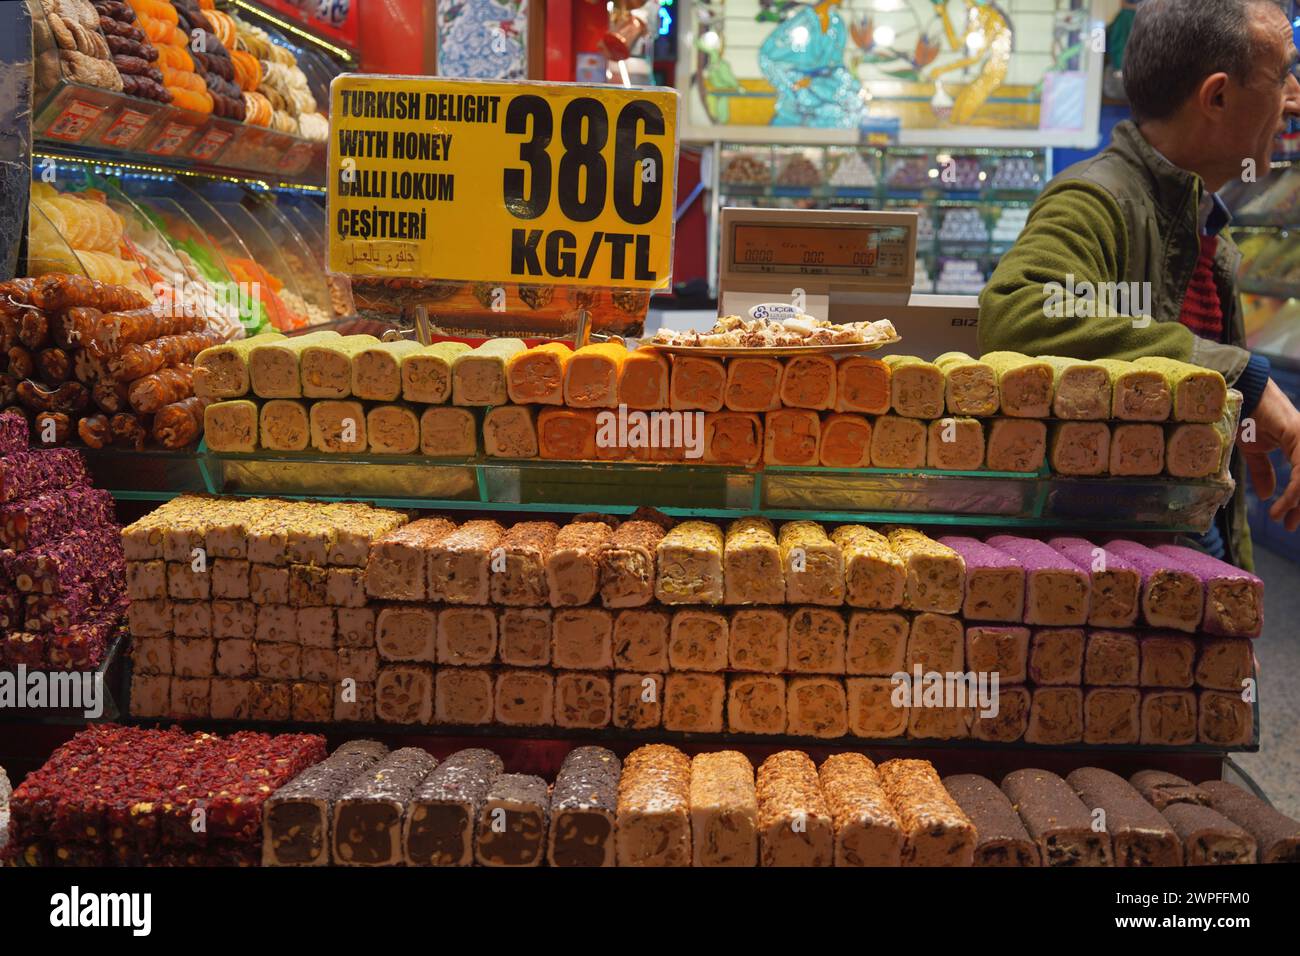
x,y
1211,84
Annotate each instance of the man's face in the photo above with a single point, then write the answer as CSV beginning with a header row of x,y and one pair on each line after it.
x,y
1259,106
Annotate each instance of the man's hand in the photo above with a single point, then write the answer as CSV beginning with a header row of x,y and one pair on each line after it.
x,y
1277,425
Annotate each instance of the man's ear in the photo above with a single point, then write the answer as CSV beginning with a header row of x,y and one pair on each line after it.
x,y
1211,97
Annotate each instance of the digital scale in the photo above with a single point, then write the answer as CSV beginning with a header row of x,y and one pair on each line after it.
x,y
841,265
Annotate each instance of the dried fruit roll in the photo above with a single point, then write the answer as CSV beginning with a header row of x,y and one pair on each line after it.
x,y
813,563
572,566
113,330
132,431
1172,595
1057,819
1057,591
447,432
1137,394
584,802
794,823
1224,719
970,386
845,441
519,564
368,815
995,581
513,822
1168,718
955,444
791,436
688,564
179,424
862,385
1115,583
935,830
1137,450
752,570
696,383
643,380
627,564
54,293
325,366
1081,391
460,563
733,438
1193,450
338,427
478,377
916,387
1140,836
898,442
510,431
567,434
936,574
752,385
231,426
137,361
296,819
221,371
1024,384
1017,445
274,369
397,568
1162,789
1234,599
167,385
377,370
438,829
283,425
591,375
426,372
867,830
1199,394
73,329
1001,837
808,381
1209,838
654,798
874,576
724,810
1079,448
1276,835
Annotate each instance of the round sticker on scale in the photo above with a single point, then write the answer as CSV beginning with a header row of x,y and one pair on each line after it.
x,y
774,311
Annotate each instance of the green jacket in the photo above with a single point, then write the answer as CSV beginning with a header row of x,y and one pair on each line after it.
x,y
1126,215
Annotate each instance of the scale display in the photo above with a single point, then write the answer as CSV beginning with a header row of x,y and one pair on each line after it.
x,y
866,251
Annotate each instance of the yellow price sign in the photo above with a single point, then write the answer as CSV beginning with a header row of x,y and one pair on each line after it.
x,y
488,182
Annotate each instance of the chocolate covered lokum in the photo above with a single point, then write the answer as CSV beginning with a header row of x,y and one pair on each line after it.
x,y
513,822
1209,838
368,815
1276,835
1139,835
1161,789
1001,837
584,804
1057,819
438,828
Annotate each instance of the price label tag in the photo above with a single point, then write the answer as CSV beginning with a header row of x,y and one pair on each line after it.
x,y
125,130
171,139
209,144
75,121
483,181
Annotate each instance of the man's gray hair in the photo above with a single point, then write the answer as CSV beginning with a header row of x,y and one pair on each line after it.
x,y
1175,44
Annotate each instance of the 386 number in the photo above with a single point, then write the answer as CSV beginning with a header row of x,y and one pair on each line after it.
x,y
582,181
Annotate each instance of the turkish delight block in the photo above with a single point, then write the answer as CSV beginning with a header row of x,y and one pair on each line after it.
x,y
916,387
876,643
572,565
816,707
283,425
513,822
693,702
1025,384
638,701
463,696
338,427
231,426
584,802
278,661
1137,450
229,579
845,441
1224,719
368,814
808,381
268,538
874,576
426,372
465,635
752,563
567,434
582,638
813,563
13,433
307,585
345,587
654,799
297,818
356,526
1001,837
277,623
753,384
1055,716
1209,838
232,697
510,431
524,637
234,620
867,830
192,656
582,699
142,540
311,702
1057,820
1160,789
397,567
1277,836
816,641
186,584
1168,718
898,442
478,377
1115,583
757,640
940,723
724,810
592,374
689,564
535,376
756,704
955,444
274,369
377,369
1056,655
59,566
1224,663
355,702
190,697
392,430
1057,590
1081,391
1138,394
1199,394
732,438
641,639
150,618
356,627
460,563
1193,451
151,655
1234,599
936,574
358,663
995,581
406,633
1110,659
970,386
936,643
1167,660
150,695
794,823
1016,445
49,516
1079,448
438,826
519,564
1111,715
1010,722
447,432
935,830
697,641
403,694
320,665
696,383
27,473
791,436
